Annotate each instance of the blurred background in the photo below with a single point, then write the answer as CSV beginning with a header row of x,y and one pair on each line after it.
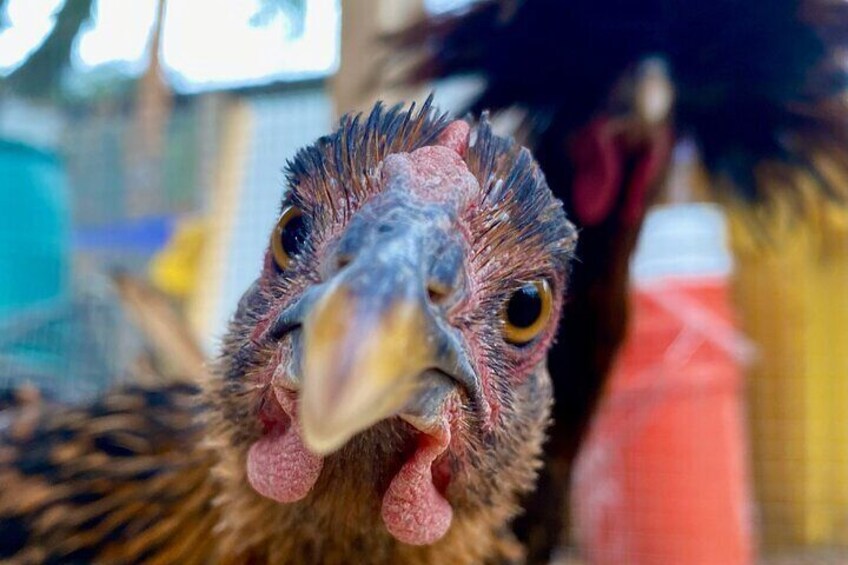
x,y
142,147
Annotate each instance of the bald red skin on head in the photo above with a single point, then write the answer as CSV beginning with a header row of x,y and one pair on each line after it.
x,y
436,173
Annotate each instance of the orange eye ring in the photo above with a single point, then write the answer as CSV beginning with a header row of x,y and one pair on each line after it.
x,y
288,237
527,312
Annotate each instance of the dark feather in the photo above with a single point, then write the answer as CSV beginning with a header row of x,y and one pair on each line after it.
x,y
121,476
513,185
749,75
759,85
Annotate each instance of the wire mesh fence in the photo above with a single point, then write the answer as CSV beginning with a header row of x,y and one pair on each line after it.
x,y
73,347
113,208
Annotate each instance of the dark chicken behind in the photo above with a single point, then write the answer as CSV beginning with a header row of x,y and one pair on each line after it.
x,y
604,88
382,395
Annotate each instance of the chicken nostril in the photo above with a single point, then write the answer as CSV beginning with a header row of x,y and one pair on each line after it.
x,y
336,263
437,293
343,261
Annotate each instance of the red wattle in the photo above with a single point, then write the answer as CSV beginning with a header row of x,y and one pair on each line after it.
x,y
281,468
414,511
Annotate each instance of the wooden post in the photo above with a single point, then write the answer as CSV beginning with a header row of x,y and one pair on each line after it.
x,y
361,79
149,128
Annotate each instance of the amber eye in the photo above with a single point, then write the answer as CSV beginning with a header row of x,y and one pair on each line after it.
x,y
527,312
289,237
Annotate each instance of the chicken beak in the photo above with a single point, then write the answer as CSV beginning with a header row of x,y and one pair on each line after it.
x,y
361,361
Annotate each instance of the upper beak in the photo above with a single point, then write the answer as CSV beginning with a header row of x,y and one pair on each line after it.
x,y
368,339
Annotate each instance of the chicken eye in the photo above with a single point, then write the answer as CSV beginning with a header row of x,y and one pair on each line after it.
x,y
527,312
289,237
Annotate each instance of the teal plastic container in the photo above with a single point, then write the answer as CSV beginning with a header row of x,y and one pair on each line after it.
x,y
35,235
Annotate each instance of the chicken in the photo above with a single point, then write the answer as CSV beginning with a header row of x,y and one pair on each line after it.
x,y
604,89
382,394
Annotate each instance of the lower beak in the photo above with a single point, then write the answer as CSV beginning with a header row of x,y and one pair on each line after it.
x,y
362,361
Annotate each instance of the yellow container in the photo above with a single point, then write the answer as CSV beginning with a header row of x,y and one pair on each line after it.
x,y
792,296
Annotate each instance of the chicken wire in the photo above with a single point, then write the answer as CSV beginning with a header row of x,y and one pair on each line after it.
x,y
122,216
71,348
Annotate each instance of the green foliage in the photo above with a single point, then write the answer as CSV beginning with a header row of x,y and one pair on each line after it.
x,y
40,76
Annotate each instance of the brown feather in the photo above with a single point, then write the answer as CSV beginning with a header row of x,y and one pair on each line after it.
x,y
158,474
